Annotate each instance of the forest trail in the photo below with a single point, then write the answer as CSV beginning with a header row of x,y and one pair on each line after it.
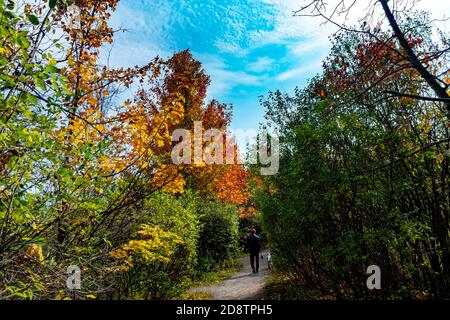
x,y
244,285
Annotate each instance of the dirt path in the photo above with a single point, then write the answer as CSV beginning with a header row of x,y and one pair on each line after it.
x,y
244,285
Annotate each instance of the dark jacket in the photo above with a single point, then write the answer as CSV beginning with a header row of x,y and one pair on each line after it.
x,y
254,243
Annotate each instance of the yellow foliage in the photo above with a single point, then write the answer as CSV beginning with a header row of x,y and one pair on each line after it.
x,y
153,245
170,178
34,251
447,81
425,126
85,127
140,134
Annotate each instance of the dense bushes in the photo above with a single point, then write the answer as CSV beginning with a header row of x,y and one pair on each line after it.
x,y
161,261
361,181
219,236
176,239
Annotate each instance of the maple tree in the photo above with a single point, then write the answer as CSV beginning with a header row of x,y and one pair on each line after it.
x,y
79,164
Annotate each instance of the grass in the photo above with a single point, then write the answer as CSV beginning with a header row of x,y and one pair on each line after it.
x,y
195,296
224,271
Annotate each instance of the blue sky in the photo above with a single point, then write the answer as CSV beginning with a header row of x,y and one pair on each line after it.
x,y
248,47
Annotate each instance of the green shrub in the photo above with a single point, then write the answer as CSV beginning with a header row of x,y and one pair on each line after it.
x,y
353,190
219,236
161,267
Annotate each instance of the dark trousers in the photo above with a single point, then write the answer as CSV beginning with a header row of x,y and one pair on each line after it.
x,y
253,256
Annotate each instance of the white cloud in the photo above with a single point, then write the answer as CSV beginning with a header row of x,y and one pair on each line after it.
x,y
245,24
309,46
130,54
223,80
288,27
261,64
300,71
231,47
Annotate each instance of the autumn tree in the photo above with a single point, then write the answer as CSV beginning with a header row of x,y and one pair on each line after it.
x,y
81,168
394,12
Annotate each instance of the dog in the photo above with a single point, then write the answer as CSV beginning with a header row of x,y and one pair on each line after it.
x,y
269,260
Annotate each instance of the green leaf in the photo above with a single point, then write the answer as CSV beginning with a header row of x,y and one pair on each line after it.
x,y
9,14
23,202
33,100
52,3
23,42
33,19
3,32
40,83
52,69
9,83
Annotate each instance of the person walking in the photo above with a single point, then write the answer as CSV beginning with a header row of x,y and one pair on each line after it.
x,y
254,245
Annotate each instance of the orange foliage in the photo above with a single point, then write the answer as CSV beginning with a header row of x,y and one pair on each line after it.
x,y
375,60
232,185
139,131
